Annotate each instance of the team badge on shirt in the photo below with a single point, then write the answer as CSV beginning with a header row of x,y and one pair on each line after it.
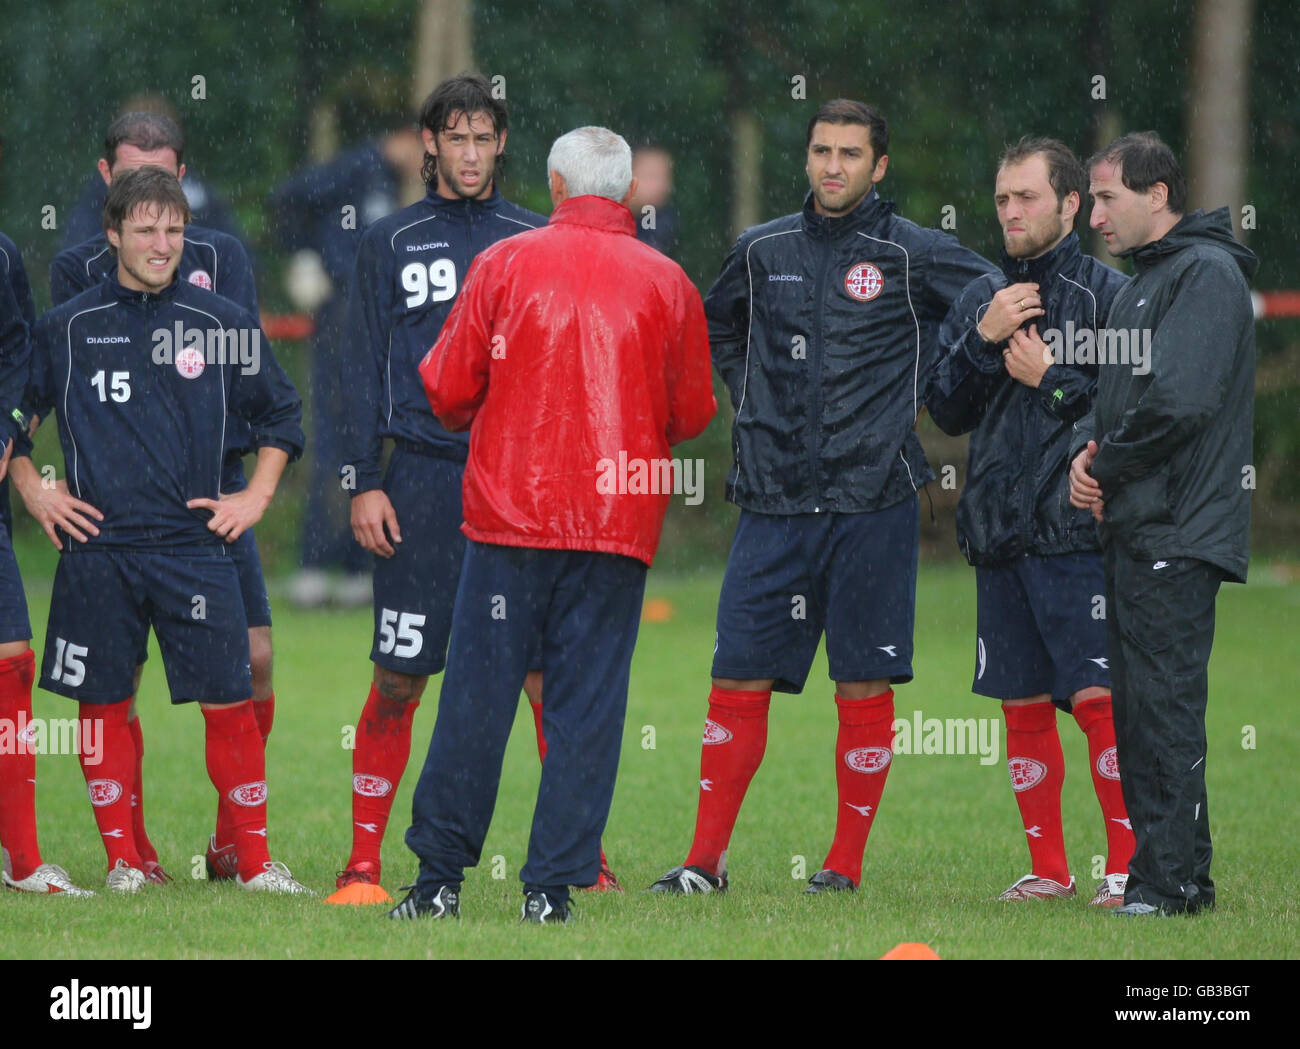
x,y
868,759
201,279
864,282
189,362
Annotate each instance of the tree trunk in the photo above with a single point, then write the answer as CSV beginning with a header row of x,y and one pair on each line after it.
x,y
1219,109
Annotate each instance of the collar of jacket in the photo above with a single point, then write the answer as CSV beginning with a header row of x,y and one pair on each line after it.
x,y
463,204
1044,268
130,295
1197,227
870,211
596,212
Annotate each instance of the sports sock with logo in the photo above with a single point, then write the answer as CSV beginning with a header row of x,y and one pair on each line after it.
x,y
264,710
1037,769
1094,717
18,767
383,748
863,755
142,843
735,737
109,782
237,767
225,832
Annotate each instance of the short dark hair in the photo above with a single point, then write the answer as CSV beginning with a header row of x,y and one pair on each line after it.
x,y
847,111
147,185
1144,159
468,93
1064,171
146,131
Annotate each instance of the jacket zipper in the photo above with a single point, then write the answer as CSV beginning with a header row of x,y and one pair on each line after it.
x,y
815,366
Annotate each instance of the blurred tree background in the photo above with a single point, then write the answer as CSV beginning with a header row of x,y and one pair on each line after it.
x,y
727,87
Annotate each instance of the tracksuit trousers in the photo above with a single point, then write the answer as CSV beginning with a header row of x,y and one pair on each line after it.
x,y
584,608
1160,628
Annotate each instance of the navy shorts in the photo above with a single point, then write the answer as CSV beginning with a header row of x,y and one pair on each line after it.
x,y
1042,627
415,589
789,578
14,622
104,603
252,584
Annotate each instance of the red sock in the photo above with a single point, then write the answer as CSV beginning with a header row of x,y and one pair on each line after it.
x,y
142,844
109,782
237,768
1094,717
264,711
225,831
735,736
18,768
541,736
863,754
1037,769
383,747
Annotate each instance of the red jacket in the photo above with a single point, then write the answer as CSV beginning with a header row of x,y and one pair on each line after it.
x,y
579,355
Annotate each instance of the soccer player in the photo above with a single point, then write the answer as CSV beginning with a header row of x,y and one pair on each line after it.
x,y
1039,581
1160,461
571,346
216,261
822,325
142,370
22,868
409,270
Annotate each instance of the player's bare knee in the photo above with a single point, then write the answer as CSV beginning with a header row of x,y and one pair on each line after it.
x,y
260,659
736,685
1091,692
397,687
533,687
861,689
1025,701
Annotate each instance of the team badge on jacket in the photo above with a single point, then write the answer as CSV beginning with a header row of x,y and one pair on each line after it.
x,y
189,362
201,278
864,282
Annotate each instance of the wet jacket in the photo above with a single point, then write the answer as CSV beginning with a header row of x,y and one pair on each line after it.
x,y
1175,461
579,355
1016,499
824,331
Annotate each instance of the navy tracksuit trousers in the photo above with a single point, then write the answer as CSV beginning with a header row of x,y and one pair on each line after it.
x,y
583,609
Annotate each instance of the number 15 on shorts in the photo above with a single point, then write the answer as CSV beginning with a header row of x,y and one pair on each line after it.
x,y
399,633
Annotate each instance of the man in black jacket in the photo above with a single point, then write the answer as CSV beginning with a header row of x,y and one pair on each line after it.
x,y
822,324
1165,467
1041,614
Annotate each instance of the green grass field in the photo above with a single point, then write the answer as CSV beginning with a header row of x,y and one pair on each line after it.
x,y
946,842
